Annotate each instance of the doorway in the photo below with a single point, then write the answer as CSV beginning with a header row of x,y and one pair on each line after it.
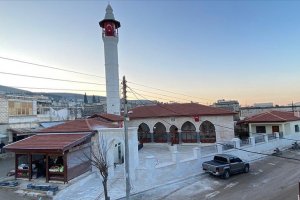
x,y
275,129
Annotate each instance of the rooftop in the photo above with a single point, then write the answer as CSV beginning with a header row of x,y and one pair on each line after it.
x,y
78,125
48,142
272,116
176,110
108,117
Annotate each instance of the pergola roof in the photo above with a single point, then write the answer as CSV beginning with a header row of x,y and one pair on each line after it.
x,y
48,142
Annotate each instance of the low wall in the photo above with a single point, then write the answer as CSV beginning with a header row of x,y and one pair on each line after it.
x,y
156,174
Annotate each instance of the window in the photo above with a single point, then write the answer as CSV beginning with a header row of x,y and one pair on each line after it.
x,y
260,129
20,108
297,128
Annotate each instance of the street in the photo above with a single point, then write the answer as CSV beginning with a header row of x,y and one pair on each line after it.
x,y
270,178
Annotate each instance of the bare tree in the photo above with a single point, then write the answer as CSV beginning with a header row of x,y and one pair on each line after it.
x,y
98,158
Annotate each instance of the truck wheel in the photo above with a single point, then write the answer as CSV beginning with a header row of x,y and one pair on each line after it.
x,y
246,169
226,174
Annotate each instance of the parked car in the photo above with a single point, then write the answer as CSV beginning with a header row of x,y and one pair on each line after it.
x,y
224,165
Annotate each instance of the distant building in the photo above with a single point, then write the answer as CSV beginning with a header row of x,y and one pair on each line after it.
x,y
231,105
91,109
263,105
16,112
250,111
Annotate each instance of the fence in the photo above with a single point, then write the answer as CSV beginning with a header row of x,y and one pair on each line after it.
x,y
228,145
259,138
180,167
245,142
271,136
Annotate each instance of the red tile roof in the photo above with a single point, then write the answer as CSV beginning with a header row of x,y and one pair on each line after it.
x,y
176,110
48,142
108,117
271,116
78,125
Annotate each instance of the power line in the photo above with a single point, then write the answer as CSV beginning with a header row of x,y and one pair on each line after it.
x,y
155,97
188,100
202,121
48,78
254,152
40,88
143,104
49,67
167,91
86,74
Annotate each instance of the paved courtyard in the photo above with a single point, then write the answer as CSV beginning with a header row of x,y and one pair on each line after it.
x,y
163,154
90,187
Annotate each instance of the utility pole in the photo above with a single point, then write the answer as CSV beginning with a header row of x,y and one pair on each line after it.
x,y
299,190
126,140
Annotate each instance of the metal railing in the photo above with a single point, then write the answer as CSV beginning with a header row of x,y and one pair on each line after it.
x,y
209,149
228,145
245,141
259,139
271,136
280,134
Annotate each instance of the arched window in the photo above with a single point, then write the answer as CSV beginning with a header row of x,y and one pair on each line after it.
x,y
160,133
207,132
144,134
188,132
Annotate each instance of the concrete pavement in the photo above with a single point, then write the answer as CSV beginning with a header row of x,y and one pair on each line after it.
x,y
270,178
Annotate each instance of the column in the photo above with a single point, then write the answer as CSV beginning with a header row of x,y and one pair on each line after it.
x,y
252,141
198,137
30,166
237,142
152,137
47,168
197,152
220,148
179,137
277,135
266,138
250,129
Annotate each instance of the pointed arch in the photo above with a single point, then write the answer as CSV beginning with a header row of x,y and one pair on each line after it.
x,y
207,132
160,133
188,126
173,129
144,134
188,132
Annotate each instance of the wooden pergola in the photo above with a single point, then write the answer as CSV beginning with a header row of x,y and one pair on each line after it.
x,y
63,145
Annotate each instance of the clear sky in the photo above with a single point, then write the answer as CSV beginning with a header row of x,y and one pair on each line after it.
x,y
243,50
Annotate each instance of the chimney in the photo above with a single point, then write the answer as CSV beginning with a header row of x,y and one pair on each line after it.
x,y
296,113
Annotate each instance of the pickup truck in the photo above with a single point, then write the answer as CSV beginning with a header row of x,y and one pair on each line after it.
x,y
224,165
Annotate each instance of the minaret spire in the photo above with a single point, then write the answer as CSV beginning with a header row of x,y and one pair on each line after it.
x,y
110,38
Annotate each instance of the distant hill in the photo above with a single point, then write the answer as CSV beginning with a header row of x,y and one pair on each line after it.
x,y
54,95
11,90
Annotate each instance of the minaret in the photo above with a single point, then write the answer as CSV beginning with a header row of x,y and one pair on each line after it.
x,y
110,38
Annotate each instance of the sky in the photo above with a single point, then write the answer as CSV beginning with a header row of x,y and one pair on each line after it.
x,y
208,50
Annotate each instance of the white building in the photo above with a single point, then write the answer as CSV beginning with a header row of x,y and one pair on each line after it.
x,y
273,121
182,123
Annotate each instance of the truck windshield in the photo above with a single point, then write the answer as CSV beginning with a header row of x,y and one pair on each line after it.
x,y
220,159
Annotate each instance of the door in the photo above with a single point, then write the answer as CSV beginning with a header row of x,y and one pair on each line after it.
x,y
236,165
275,129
